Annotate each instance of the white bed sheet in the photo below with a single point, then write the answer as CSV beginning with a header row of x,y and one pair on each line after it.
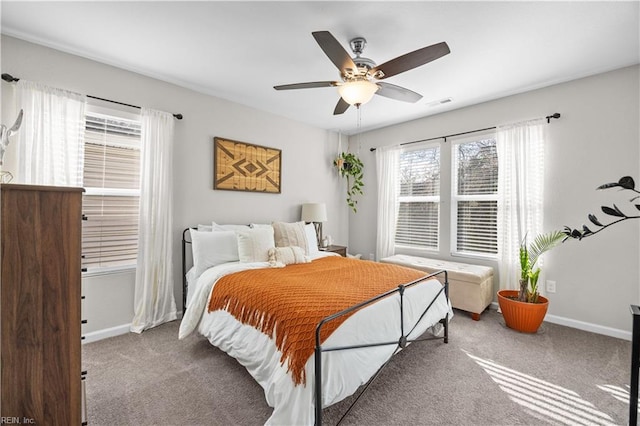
x,y
342,371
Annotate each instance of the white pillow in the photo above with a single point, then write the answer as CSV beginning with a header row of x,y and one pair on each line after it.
x,y
213,248
205,228
287,255
312,239
260,225
254,244
290,234
216,227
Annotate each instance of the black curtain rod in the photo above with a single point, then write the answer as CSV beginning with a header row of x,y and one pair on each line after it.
x,y
11,79
548,117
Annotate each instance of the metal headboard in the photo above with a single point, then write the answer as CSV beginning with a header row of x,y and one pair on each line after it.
x,y
184,266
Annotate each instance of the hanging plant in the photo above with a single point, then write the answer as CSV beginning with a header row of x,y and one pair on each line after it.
x,y
349,166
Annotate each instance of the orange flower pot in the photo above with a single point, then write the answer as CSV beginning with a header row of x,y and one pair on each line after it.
x,y
522,316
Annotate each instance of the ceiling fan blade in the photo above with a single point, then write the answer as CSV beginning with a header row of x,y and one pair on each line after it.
x,y
398,93
334,50
341,107
309,85
411,60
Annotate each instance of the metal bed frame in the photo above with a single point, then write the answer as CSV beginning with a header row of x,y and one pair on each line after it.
x,y
184,267
401,343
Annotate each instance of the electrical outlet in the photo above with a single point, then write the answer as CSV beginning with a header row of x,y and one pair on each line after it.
x,y
372,256
551,286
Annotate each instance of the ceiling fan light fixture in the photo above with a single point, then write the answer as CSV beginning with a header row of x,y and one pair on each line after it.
x,y
357,92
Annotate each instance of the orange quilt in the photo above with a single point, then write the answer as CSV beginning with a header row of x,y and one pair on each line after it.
x,y
289,302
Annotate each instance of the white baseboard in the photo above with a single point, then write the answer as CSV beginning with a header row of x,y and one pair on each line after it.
x,y
94,336
586,326
119,330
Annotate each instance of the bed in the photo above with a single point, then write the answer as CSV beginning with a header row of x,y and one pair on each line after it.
x,y
291,322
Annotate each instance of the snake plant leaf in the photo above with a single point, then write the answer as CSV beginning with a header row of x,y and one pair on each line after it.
x,y
627,182
612,212
608,185
595,220
619,211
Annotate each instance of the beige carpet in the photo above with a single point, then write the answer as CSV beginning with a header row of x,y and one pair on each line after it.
x,y
486,375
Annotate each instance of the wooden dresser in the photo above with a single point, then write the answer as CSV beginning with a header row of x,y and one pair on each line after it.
x,y
40,230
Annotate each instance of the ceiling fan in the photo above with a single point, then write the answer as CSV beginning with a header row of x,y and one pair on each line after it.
x,y
360,76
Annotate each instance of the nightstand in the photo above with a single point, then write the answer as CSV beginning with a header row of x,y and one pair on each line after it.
x,y
341,250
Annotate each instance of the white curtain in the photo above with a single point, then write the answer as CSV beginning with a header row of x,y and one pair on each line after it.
x,y
387,166
520,192
154,302
51,139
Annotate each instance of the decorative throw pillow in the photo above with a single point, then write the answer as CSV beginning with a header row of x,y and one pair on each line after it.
x,y
213,248
254,244
287,256
312,239
290,234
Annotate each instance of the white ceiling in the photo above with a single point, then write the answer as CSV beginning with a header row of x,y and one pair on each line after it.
x,y
240,50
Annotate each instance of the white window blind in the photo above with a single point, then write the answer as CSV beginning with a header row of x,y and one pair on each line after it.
x,y
112,185
419,198
475,197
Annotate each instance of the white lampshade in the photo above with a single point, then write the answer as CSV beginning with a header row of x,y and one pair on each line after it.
x,y
357,92
314,212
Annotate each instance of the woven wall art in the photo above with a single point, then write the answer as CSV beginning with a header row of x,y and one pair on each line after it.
x,y
239,166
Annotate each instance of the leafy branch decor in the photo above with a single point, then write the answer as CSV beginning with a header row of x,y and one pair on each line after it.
x,y
350,167
626,183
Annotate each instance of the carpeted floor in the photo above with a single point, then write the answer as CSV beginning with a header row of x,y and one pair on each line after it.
x,y
486,375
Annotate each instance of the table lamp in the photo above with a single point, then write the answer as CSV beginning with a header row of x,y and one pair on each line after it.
x,y
315,213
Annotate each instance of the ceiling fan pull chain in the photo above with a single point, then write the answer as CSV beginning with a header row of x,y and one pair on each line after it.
x,y
359,126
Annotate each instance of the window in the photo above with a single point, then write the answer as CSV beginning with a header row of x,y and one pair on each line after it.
x,y
112,185
419,198
474,199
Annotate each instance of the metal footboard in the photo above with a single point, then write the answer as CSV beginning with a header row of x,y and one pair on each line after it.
x,y
401,343
184,268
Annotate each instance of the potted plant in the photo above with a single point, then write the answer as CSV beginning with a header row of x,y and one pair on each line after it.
x,y
350,166
524,309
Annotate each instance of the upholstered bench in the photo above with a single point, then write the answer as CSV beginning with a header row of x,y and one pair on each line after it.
x,y
470,286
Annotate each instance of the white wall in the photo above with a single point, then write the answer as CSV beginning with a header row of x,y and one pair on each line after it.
x,y
307,153
596,140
